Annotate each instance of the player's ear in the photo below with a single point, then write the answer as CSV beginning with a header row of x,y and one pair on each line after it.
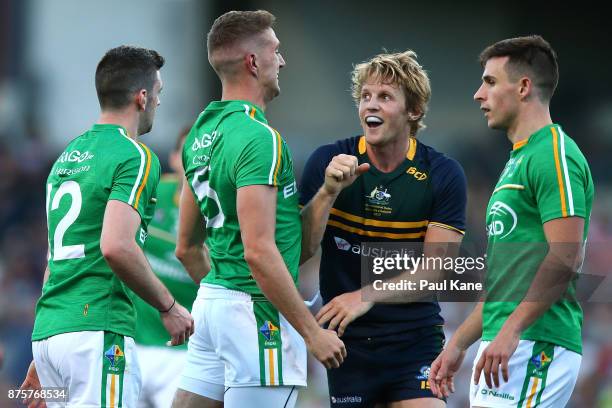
x,y
525,88
251,63
141,100
414,115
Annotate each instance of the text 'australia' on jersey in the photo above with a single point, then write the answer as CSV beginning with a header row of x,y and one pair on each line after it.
x,y
427,188
231,146
547,177
82,292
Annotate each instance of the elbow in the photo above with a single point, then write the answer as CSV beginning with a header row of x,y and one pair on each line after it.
x,y
256,257
114,252
307,253
181,252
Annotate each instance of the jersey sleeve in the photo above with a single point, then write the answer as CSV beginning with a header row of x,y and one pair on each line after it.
x,y
314,172
135,180
259,161
559,179
449,195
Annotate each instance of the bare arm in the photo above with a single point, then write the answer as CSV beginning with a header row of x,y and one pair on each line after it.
x,y
561,263
128,262
340,173
314,221
446,365
256,207
126,258
190,247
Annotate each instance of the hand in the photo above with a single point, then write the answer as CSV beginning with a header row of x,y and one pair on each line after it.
x,y
341,172
498,352
443,369
31,382
179,324
326,347
342,310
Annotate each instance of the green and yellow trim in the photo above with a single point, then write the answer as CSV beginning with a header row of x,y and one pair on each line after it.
x,y
509,186
145,178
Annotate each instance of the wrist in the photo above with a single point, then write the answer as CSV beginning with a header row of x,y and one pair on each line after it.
x,y
169,308
329,192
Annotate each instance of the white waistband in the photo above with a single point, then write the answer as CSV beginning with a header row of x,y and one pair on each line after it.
x,y
209,291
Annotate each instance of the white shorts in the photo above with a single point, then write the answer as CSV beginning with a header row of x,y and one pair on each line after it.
x,y
99,369
541,374
161,368
240,342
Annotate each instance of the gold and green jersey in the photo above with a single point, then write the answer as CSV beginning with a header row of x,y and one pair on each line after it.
x,y
82,292
231,146
159,249
547,177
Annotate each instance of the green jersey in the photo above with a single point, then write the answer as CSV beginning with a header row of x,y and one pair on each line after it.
x,y
82,293
230,146
159,249
547,177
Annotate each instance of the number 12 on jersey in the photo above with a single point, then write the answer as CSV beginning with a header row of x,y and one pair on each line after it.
x,y
60,251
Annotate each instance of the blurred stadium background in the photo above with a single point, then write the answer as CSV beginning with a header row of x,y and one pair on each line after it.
x,y
49,50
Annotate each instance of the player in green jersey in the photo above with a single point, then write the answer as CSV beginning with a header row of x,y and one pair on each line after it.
x,y
101,194
543,199
161,365
251,323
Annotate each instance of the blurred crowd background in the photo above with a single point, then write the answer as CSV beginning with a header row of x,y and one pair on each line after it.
x,y
49,50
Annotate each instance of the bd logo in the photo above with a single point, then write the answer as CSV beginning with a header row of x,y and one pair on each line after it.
x,y
419,175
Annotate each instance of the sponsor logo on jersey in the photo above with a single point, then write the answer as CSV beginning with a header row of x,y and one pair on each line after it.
x,y
342,244
200,159
143,235
268,330
493,393
205,141
419,175
504,220
114,355
369,251
378,196
348,399
424,373
75,156
541,360
511,167
290,189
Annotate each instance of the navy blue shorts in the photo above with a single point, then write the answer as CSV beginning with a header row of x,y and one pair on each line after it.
x,y
385,369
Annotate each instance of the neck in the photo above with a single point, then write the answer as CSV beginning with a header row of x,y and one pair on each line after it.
x,y
245,89
122,118
388,157
527,122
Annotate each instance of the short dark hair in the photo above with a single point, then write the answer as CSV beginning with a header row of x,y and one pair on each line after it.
x,y
235,26
532,56
124,70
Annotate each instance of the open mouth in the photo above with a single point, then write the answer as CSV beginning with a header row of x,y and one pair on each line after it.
x,y
373,121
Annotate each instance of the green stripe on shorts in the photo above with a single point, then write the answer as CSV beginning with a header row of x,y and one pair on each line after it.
x,y
113,369
270,343
537,368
